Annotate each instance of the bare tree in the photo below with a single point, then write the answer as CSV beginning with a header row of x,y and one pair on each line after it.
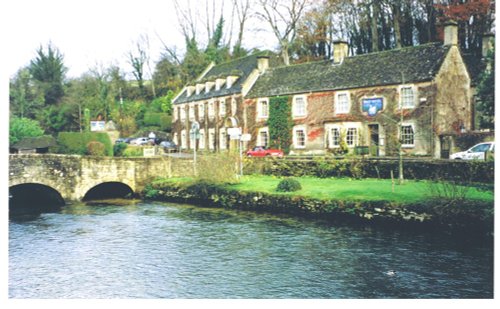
x,y
283,16
242,8
139,60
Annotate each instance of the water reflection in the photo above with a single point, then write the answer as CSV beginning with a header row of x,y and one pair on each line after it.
x,y
181,251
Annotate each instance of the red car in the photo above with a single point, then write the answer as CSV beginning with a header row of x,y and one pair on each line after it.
x,y
260,151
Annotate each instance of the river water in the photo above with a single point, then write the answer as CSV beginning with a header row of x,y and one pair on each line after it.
x,y
164,250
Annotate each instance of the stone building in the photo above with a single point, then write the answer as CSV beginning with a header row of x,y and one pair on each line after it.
x,y
213,103
410,99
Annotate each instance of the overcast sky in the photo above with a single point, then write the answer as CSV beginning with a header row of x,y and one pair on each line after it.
x,y
91,32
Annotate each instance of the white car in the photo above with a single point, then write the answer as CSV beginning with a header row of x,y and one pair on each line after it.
x,y
476,152
140,141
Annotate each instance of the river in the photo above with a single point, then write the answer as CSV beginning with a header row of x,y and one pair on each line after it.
x,y
165,250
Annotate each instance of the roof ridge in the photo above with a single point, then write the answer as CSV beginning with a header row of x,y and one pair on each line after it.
x,y
244,57
397,49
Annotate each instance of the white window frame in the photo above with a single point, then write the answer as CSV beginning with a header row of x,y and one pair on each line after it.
x,y
342,109
211,138
174,112
234,106
331,135
299,113
182,112
295,137
222,107
201,111
201,141
412,126
260,142
211,109
262,113
222,138
192,115
355,141
407,104
183,139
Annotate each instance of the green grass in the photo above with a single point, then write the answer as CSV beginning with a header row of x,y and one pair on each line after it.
x,y
352,189
348,189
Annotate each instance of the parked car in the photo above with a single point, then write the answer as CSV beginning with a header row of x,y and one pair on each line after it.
x,y
260,151
140,141
125,140
168,146
476,152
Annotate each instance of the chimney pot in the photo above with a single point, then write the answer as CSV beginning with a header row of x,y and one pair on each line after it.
x,y
262,63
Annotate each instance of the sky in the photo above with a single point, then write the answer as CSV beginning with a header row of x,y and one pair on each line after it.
x,y
91,33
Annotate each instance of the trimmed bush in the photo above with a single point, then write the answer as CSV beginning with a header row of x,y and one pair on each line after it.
x,y
95,148
133,152
76,142
119,148
288,185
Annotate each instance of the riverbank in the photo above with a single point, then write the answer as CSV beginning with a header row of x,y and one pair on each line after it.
x,y
415,204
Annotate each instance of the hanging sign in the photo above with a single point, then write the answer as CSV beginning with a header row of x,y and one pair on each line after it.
x,y
372,106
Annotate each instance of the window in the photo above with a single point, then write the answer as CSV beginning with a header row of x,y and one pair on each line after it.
x,y
183,113
407,97
211,112
201,141
175,111
222,107
222,138
175,139
191,112
211,139
183,139
263,137
299,137
234,106
201,111
342,103
407,136
263,109
299,106
334,137
352,137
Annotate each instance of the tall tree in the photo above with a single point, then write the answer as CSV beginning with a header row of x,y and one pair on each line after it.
x,y
48,70
138,59
486,94
283,17
25,98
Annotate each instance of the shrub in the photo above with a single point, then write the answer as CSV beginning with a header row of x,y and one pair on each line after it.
x,y
119,148
288,185
76,142
152,119
20,128
133,152
95,148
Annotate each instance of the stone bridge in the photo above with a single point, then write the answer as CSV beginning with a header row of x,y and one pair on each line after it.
x,y
72,176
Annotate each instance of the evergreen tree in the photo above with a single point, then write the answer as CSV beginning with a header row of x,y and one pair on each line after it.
x,y
486,94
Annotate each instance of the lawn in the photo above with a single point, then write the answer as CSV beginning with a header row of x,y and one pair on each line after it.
x,y
359,189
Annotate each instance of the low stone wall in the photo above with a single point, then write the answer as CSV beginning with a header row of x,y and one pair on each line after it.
x,y
472,217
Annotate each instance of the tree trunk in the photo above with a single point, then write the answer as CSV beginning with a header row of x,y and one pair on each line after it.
x,y
374,25
396,15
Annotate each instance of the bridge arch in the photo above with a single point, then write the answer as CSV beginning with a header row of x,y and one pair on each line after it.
x,y
108,189
34,197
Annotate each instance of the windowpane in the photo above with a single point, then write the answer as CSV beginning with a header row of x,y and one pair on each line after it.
x,y
263,109
335,137
263,138
300,138
407,99
342,103
222,108
201,111
407,135
299,107
352,137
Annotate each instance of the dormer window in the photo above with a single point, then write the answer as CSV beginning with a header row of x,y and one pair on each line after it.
x,y
218,83
230,81
208,86
199,87
190,90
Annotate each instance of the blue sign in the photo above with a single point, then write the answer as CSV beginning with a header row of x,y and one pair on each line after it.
x,y
372,106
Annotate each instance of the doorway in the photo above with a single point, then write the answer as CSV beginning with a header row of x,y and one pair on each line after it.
x,y
373,130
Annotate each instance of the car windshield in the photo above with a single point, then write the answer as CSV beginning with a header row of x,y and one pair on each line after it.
x,y
480,148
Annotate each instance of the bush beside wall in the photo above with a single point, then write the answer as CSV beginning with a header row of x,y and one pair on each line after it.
x,y
76,142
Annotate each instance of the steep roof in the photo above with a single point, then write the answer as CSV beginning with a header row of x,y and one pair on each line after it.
x,y
241,67
418,63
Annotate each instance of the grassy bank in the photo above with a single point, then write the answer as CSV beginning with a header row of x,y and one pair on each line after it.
x,y
414,203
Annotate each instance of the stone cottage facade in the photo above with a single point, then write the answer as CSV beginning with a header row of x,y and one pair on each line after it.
x,y
212,103
409,99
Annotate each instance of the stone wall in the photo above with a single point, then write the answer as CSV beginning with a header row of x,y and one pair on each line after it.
x,y
73,176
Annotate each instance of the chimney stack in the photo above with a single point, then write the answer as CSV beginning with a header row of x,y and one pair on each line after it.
x,y
488,40
340,51
450,33
262,63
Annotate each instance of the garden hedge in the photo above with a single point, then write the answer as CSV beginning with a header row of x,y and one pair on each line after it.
x,y
77,142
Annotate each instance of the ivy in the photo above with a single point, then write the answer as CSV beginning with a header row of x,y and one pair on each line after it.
x,y
280,123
